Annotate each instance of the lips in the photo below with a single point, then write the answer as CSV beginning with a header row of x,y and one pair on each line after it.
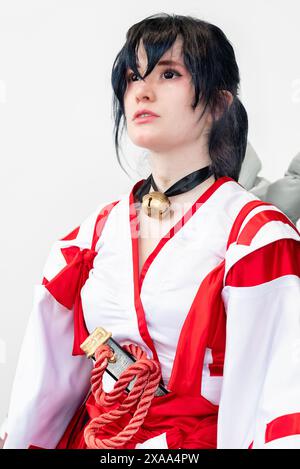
x,y
144,111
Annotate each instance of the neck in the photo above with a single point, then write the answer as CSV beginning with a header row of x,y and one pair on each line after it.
x,y
169,167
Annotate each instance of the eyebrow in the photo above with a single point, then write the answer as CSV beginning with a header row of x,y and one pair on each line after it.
x,y
168,62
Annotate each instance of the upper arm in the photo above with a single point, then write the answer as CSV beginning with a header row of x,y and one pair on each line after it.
x,y
261,295
51,380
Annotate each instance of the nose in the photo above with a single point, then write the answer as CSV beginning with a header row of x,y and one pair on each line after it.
x,y
143,91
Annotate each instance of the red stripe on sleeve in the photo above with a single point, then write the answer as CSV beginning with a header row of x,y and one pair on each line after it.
x,y
240,218
282,257
100,222
286,425
259,220
72,235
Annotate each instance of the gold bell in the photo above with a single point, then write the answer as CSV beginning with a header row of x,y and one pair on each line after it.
x,y
156,204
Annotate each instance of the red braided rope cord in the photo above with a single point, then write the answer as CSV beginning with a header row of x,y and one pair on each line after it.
x,y
148,374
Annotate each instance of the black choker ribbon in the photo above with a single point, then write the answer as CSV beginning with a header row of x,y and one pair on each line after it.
x,y
156,204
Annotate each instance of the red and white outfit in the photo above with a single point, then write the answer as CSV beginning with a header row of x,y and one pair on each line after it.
x,y
217,304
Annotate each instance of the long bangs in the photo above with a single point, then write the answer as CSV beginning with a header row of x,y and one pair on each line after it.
x,y
209,58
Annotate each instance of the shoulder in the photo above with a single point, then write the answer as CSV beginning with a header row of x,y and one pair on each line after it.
x,y
265,239
81,238
250,217
229,199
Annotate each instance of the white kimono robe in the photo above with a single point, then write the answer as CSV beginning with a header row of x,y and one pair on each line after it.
x,y
248,365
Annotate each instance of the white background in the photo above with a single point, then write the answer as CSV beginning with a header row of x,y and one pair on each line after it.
x,y
56,146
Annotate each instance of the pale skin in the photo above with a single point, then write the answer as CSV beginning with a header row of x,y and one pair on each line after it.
x,y
177,141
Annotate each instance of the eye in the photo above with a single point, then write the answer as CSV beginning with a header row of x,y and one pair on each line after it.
x,y
130,75
169,71
172,72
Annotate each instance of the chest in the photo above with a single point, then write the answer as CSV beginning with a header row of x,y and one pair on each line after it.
x,y
146,275
160,265
146,246
151,231
157,298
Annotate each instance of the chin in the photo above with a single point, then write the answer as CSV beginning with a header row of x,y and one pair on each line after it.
x,y
146,141
153,141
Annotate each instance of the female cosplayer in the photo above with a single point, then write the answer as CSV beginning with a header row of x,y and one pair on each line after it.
x,y
192,274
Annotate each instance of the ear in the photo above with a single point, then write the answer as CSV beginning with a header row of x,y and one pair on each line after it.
x,y
225,100
228,96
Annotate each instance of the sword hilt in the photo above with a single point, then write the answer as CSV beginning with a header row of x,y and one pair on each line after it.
x,y
120,359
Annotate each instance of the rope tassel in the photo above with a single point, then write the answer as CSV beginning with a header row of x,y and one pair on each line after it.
x,y
148,375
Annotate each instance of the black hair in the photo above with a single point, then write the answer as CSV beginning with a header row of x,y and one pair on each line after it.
x,y
210,59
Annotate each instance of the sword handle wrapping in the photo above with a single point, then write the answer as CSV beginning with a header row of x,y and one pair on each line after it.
x,y
121,360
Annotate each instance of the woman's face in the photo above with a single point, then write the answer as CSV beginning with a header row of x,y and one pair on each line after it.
x,y
168,92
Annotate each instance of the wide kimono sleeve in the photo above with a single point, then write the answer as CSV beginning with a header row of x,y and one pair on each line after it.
x,y
260,398
53,375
